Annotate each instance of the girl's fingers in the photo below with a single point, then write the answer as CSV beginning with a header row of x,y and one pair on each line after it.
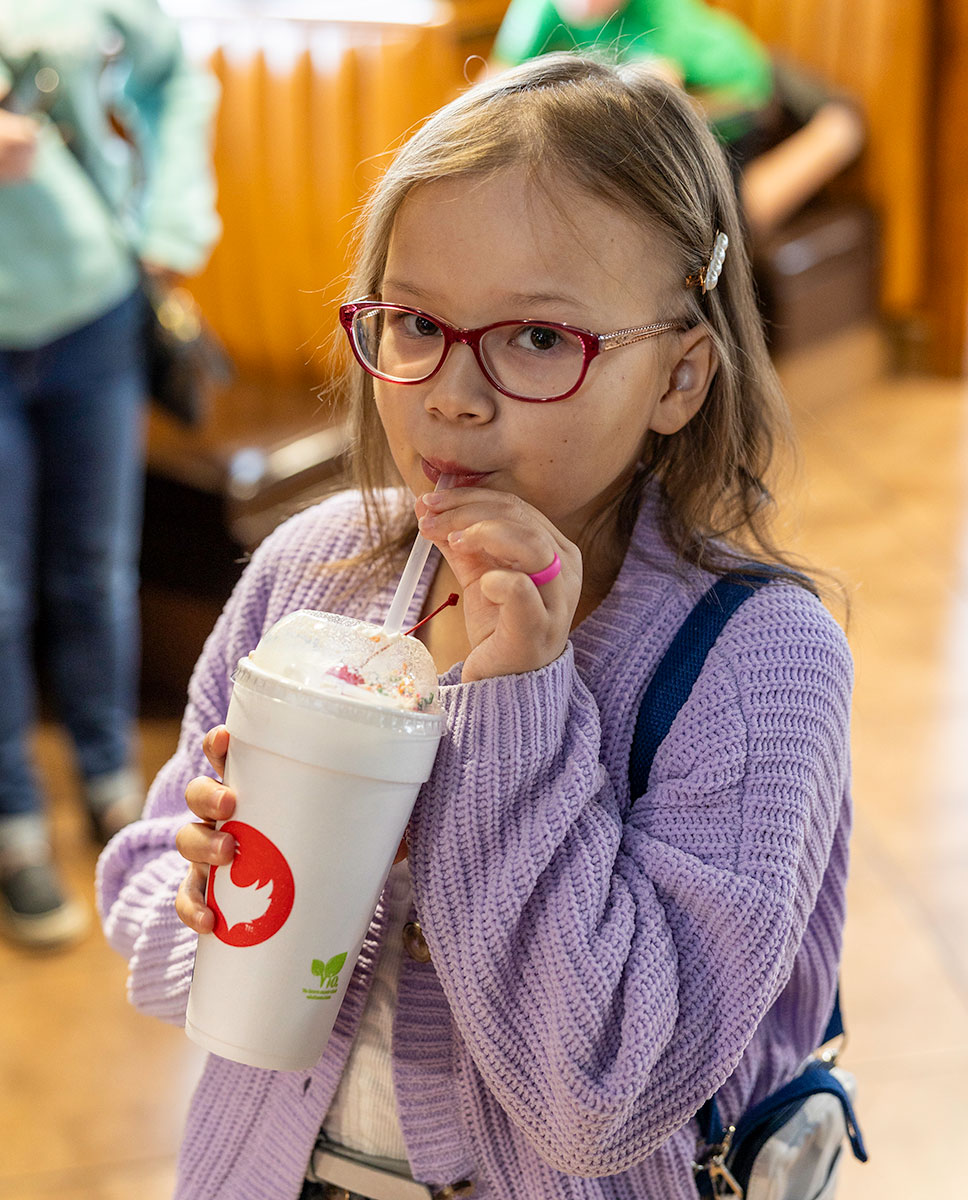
x,y
514,588
497,555
523,611
190,901
498,527
507,546
527,618
209,800
216,746
461,507
526,635
524,543
201,844
495,542
466,506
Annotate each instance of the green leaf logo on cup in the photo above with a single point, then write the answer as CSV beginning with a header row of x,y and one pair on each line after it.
x,y
328,975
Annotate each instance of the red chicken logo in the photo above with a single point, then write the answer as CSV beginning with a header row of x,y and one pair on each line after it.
x,y
252,898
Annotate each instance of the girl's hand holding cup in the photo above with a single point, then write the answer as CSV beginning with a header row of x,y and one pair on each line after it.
x,y
518,605
200,843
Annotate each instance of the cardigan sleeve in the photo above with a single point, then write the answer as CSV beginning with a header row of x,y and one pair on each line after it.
x,y
606,965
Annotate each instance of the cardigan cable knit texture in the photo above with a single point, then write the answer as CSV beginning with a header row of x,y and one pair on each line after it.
x,y
598,969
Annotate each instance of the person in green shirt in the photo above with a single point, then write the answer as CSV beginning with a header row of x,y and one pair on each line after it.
x,y
82,215
786,134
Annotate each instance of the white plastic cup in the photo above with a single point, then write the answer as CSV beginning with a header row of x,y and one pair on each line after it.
x,y
325,785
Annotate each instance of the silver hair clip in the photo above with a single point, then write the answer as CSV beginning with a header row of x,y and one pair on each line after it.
x,y
708,274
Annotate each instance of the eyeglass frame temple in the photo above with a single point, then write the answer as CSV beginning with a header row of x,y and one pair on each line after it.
x,y
637,333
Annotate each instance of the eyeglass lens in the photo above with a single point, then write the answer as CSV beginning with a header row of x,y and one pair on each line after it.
x,y
533,361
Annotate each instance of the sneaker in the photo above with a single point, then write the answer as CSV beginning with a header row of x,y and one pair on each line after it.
x,y
34,910
113,801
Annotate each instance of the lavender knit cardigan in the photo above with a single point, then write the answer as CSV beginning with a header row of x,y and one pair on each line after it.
x,y
597,970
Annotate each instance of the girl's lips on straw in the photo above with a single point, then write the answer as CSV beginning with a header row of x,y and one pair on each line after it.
x,y
461,476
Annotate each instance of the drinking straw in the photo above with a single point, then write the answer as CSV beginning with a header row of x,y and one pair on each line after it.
x,y
407,586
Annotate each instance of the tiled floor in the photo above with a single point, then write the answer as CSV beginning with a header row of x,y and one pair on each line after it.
x,y
93,1095
886,502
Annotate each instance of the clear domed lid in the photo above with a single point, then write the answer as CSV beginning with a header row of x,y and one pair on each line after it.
x,y
333,654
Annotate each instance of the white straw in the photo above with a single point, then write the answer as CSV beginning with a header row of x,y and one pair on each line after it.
x,y
407,586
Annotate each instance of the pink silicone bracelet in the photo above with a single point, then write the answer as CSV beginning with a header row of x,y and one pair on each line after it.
x,y
540,578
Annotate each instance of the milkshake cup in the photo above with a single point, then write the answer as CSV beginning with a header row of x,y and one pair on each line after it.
x,y
333,726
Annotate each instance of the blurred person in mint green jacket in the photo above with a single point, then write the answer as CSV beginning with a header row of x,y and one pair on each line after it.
x,y
83,211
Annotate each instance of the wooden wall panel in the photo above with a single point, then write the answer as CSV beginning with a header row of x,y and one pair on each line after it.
x,y
309,110
880,51
947,291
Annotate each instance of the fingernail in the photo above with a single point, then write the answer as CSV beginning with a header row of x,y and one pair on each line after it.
x,y
455,537
432,500
426,522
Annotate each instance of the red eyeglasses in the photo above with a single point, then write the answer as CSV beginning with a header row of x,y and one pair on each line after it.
x,y
534,361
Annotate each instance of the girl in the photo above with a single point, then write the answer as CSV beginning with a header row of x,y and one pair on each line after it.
x,y
557,978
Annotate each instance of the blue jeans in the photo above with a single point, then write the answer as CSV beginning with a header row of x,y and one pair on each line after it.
x,y
71,494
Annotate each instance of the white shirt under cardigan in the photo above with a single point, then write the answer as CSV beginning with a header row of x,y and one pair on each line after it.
x,y
363,1115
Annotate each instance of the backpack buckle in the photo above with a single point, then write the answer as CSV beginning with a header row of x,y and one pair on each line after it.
x,y
722,1181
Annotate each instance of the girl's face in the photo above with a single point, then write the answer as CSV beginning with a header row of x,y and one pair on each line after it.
x,y
476,251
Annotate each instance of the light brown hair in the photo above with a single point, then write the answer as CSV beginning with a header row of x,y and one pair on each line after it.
x,y
625,136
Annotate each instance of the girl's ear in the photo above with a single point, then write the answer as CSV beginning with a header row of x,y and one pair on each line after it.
x,y
689,381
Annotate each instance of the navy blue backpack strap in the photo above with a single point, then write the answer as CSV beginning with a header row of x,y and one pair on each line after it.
x,y
668,690
679,669
835,1026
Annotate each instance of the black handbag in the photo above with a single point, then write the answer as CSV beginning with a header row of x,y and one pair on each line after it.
x,y
183,358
